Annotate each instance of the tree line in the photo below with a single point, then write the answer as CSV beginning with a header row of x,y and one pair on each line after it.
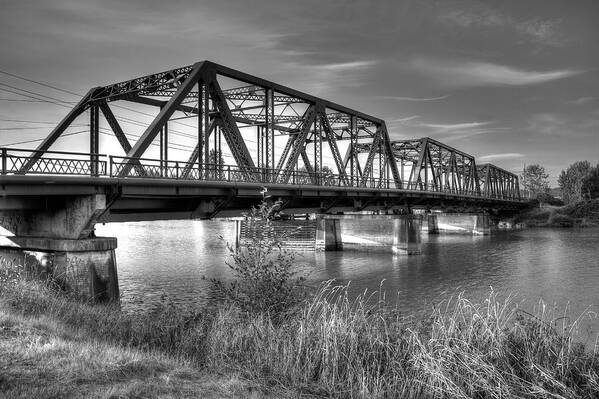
x,y
578,182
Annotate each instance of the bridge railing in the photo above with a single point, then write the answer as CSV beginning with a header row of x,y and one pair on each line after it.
x,y
126,167
22,161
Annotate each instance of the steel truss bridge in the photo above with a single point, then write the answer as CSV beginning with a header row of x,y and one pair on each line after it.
x,y
276,137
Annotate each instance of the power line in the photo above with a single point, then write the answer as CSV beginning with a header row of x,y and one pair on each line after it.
x,y
39,83
35,98
36,140
34,93
22,100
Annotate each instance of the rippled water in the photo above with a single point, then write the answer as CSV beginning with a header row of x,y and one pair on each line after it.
x,y
170,258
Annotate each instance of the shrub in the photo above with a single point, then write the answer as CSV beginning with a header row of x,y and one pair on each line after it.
x,y
265,277
559,220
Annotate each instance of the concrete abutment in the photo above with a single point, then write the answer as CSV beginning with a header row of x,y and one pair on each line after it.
x,y
55,239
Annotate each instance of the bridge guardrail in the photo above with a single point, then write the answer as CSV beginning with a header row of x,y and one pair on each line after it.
x,y
21,161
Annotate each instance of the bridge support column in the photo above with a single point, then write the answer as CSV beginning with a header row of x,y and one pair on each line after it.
x,y
397,233
458,223
328,234
54,238
432,223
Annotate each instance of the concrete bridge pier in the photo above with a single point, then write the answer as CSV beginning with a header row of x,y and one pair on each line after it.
x,y
458,223
397,233
54,238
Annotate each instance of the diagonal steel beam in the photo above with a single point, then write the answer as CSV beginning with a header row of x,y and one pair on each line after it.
x,y
77,110
120,135
374,149
288,146
415,175
285,153
308,165
332,140
299,143
229,127
156,125
388,150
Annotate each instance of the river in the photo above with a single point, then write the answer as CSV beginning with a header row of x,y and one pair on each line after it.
x,y
176,259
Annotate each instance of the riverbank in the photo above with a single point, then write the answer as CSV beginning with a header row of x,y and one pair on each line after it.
x,y
57,347
580,214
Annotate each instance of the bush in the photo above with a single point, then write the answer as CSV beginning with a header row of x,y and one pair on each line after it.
x,y
559,220
546,198
266,281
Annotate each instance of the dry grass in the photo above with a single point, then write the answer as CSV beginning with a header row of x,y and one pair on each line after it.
x,y
40,358
331,347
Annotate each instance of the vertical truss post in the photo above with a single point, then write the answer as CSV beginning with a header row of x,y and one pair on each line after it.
x,y
206,126
200,146
353,131
259,147
269,141
94,138
164,149
317,152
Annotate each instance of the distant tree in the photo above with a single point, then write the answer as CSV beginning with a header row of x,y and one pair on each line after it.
x,y
216,161
578,182
535,180
216,157
590,185
325,170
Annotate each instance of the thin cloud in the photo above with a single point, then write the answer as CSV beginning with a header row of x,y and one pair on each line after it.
x,y
400,98
546,32
505,155
459,74
455,126
406,119
346,65
581,100
464,134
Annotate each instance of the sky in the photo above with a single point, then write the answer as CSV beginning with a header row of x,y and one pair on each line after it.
x,y
510,82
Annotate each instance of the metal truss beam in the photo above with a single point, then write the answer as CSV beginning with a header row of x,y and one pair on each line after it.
x,y
77,110
374,149
154,128
275,109
332,141
298,143
231,132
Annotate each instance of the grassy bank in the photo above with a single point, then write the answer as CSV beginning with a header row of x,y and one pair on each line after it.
x,y
580,214
332,347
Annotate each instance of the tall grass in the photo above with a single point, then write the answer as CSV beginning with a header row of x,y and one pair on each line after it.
x,y
361,348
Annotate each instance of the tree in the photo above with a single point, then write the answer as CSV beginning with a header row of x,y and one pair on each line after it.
x,y
535,180
216,161
590,185
578,182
